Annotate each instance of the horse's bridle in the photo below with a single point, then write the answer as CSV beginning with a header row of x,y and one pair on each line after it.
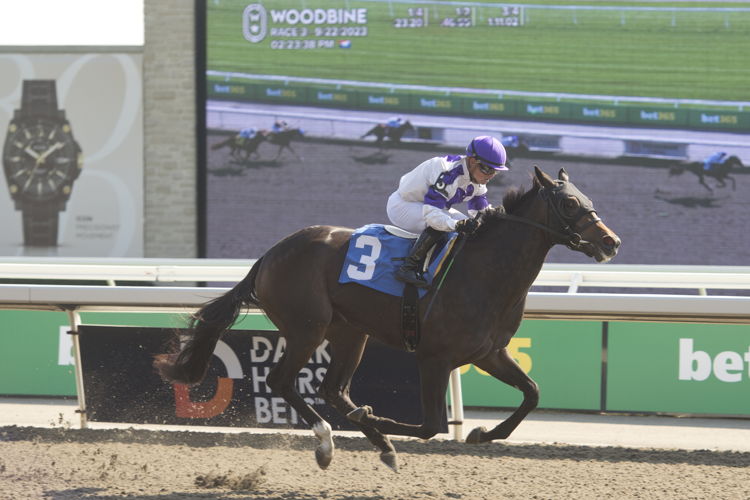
x,y
566,233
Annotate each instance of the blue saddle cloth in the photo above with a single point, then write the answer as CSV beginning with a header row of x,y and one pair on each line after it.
x,y
374,254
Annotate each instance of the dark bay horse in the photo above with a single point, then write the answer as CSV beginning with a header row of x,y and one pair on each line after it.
x,y
283,140
382,131
718,171
242,148
473,315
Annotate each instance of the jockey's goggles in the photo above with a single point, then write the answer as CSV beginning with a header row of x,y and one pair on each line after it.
x,y
485,169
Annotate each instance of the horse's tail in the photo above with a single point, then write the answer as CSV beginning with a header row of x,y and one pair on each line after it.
x,y
206,326
223,143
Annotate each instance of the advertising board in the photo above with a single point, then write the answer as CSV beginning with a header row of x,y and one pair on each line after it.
x,y
563,358
37,357
72,126
679,368
578,365
122,386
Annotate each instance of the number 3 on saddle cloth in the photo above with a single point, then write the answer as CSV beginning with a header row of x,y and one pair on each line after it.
x,y
375,252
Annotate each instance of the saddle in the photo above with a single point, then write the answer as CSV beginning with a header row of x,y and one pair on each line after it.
x,y
375,251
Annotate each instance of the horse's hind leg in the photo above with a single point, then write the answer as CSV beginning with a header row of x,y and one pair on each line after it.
x,y
501,366
346,348
300,346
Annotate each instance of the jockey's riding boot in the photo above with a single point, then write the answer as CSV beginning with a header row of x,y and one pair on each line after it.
x,y
411,270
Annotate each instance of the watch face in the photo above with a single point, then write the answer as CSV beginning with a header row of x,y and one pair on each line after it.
x,y
41,159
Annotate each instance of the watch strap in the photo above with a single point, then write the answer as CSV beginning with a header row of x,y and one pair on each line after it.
x,y
39,98
40,223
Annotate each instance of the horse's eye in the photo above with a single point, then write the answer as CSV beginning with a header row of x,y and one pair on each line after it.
x,y
570,205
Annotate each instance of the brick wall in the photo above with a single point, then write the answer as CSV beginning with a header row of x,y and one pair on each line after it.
x,y
169,129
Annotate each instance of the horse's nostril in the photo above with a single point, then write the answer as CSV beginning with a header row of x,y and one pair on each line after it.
x,y
611,242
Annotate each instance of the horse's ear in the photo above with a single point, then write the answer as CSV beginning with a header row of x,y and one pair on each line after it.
x,y
545,179
563,175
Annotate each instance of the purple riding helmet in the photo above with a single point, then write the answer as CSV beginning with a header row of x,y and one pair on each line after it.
x,y
489,151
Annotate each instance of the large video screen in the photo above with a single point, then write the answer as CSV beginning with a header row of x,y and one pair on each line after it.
x,y
314,110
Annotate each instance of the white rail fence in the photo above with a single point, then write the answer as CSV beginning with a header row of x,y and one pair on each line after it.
x,y
696,305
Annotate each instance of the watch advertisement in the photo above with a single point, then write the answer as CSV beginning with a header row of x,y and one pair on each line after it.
x,y
72,154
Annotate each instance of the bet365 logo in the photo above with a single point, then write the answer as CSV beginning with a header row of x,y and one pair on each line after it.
x,y
727,366
254,23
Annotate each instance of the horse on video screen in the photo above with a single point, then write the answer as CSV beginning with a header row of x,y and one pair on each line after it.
x,y
242,146
469,317
393,133
717,166
283,139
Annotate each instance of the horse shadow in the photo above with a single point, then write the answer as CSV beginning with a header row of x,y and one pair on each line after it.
x,y
227,171
376,158
261,163
690,201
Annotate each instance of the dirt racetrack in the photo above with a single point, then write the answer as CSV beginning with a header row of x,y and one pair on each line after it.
x,y
148,465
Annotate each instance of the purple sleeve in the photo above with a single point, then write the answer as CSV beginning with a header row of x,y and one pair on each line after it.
x,y
478,203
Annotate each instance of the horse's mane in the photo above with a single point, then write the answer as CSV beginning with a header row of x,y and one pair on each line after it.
x,y
514,198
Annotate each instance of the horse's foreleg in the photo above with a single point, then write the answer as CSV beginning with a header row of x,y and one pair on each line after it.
x,y
347,348
734,184
434,375
289,147
501,366
702,180
281,379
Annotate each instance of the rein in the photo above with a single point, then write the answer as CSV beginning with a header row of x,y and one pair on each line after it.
x,y
568,236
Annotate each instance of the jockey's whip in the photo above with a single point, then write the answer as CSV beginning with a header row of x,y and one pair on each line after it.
x,y
457,248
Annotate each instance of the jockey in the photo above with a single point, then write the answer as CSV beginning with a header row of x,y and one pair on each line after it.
x,y
715,159
248,133
423,202
394,122
279,126
510,141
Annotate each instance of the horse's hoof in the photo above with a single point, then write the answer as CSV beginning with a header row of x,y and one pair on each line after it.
x,y
359,414
475,436
389,458
324,451
323,458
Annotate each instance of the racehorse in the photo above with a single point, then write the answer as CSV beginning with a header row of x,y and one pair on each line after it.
x,y
242,147
472,315
394,134
284,138
718,171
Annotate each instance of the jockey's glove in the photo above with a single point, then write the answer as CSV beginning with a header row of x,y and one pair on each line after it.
x,y
467,226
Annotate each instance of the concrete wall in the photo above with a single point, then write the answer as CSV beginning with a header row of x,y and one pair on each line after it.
x,y
169,129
